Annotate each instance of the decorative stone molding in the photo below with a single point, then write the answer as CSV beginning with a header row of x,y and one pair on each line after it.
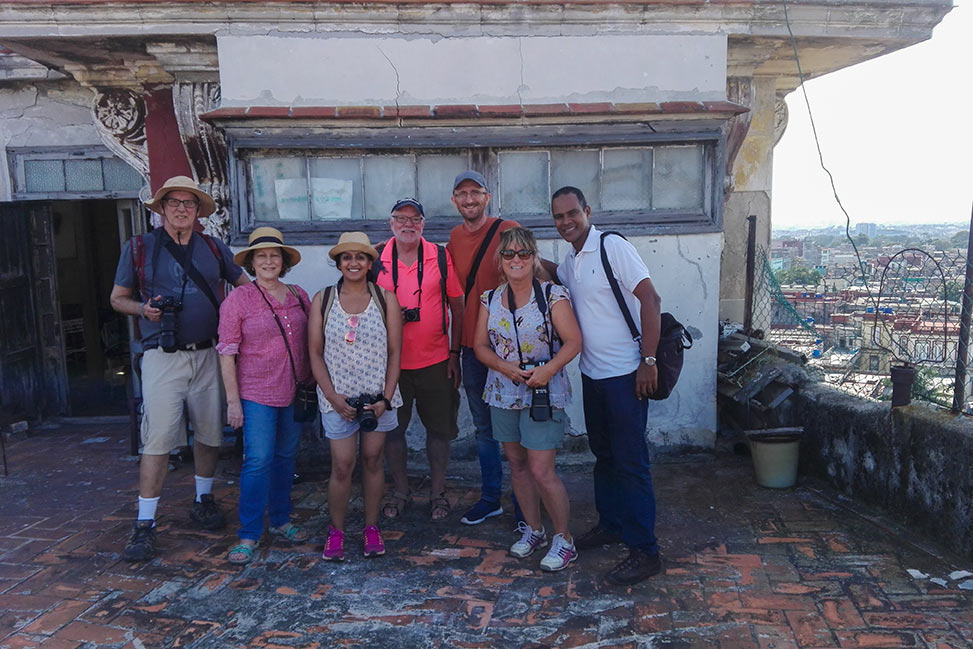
x,y
739,90
120,120
205,147
781,116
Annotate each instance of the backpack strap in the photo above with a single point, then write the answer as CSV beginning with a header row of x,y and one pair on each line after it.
x,y
542,298
138,263
471,278
295,293
216,253
330,292
617,291
443,269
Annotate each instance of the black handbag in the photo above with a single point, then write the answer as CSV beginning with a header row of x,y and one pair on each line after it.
x,y
305,392
673,337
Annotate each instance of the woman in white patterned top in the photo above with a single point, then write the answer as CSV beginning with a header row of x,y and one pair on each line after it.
x,y
355,344
526,333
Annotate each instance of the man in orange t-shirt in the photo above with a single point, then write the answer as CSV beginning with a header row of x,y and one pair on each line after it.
x,y
430,367
471,197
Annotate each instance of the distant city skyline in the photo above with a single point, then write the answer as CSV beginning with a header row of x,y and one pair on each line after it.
x,y
895,133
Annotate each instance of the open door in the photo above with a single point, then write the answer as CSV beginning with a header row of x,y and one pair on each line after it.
x,y
32,379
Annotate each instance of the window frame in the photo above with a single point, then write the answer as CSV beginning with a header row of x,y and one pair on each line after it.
x,y
483,144
17,157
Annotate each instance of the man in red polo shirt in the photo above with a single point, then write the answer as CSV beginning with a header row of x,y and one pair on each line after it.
x,y
412,268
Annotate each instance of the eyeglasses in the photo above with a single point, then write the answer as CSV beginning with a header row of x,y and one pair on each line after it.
x,y
522,253
403,219
190,204
352,331
473,193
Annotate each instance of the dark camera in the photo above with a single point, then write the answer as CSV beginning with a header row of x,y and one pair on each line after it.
x,y
169,306
367,421
410,315
540,397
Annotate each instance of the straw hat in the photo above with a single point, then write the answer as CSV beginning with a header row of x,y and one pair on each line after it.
x,y
357,241
186,184
267,238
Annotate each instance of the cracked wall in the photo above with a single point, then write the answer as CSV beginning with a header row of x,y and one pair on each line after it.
x,y
685,271
44,115
383,71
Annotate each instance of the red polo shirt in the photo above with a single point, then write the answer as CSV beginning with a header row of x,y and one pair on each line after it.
x,y
423,342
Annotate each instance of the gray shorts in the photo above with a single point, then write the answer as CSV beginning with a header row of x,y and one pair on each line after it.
x,y
517,426
337,427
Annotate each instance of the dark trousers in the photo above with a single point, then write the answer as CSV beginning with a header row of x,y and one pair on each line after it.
x,y
616,419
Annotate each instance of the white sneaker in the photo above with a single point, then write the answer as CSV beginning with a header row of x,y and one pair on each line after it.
x,y
560,555
529,541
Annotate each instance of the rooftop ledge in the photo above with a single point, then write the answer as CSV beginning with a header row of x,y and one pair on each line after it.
x,y
724,109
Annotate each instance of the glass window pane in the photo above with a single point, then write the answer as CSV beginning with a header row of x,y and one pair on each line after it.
x,y
577,169
120,177
83,176
627,180
436,174
387,179
44,175
336,189
677,178
280,189
524,182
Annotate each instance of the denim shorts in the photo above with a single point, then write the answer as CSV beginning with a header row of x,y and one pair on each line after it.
x,y
517,426
337,427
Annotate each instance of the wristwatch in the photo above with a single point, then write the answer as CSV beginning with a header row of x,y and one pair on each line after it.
x,y
649,360
388,404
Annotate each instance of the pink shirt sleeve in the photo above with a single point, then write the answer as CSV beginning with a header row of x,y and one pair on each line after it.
x,y
453,288
231,320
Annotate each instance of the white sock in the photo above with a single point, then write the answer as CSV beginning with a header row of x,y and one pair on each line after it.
x,y
147,507
203,486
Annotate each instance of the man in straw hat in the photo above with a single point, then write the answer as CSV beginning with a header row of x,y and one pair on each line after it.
x,y
170,280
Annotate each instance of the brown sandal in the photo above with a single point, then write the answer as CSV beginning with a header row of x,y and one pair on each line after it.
x,y
440,509
395,504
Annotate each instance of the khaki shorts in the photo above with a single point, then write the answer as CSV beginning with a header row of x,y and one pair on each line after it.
x,y
436,400
170,380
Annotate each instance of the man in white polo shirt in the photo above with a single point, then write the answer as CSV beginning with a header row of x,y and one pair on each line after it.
x,y
617,377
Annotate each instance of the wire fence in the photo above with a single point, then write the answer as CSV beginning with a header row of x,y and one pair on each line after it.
x,y
854,321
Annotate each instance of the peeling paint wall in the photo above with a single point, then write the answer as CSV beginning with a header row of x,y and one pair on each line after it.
x,y
43,115
381,71
685,271
913,462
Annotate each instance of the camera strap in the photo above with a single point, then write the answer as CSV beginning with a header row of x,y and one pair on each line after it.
x,y
471,278
184,257
395,272
539,298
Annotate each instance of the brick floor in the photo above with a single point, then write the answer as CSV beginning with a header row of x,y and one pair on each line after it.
x,y
746,567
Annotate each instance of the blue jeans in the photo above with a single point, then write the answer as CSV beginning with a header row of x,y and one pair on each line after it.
x,y
270,441
487,448
616,419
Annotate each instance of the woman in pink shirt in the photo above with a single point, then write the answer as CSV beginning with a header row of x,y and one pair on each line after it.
x,y
263,351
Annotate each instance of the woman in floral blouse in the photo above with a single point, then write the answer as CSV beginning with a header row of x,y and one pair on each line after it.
x,y
526,334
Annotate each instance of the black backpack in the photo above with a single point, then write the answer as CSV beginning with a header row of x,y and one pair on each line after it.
x,y
673,337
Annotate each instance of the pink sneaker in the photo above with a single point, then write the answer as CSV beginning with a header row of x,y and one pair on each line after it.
x,y
334,547
374,545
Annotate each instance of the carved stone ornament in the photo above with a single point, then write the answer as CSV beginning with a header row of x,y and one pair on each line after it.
x,y
739,90
781,115
205,147
120,121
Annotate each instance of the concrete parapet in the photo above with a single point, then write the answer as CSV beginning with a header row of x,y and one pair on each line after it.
x,y
913,462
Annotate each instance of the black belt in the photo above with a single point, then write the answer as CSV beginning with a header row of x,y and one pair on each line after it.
x,y
191,347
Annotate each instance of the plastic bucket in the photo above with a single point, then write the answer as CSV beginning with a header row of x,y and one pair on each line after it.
x,y
775,454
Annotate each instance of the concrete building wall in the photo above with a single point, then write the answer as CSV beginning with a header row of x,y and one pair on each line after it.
x,y
685,271
382,71
45,114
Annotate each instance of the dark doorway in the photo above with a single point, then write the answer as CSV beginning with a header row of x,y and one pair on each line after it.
x,y
87,244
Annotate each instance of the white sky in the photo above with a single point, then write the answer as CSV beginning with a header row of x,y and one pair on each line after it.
x,y
896,133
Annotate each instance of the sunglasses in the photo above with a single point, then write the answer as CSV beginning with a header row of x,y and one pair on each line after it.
x,y
523,253
352,331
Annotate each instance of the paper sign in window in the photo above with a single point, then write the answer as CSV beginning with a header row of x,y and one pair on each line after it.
x,y
331,198
291,199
